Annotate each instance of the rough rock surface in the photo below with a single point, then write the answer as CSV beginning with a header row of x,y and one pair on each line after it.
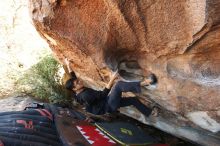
x,y
178,41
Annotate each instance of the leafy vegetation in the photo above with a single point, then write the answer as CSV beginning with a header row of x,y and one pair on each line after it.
x,y
43,81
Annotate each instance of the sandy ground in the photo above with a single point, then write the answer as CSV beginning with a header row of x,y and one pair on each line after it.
x,y
14,103
20,44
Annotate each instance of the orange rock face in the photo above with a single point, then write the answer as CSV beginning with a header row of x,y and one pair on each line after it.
x,y
178,41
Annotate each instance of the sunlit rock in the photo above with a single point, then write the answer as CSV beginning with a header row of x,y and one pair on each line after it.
x,y
178,41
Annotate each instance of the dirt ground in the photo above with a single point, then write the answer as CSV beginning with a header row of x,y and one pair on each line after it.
x,y
20,44
15,103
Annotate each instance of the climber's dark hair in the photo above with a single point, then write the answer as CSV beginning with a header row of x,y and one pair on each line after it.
x,y
153,79
70,83
73,75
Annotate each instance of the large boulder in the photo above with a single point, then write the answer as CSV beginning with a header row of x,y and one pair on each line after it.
x,y
178,41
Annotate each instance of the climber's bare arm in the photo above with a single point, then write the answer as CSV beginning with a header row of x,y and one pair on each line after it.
x,y
112,79
67,63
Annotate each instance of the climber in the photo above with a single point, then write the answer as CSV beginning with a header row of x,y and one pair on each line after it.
x,y
110,99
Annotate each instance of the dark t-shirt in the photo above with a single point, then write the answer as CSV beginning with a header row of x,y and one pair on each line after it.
x,y
95,101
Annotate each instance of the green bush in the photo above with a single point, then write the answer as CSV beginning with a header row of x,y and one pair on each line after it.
x,y
44,82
